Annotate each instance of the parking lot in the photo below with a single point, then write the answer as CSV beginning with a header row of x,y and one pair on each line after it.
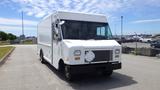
x,y
139,45
23,71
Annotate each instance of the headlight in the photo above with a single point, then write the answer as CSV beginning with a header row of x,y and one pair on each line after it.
x,y
117,51
77,53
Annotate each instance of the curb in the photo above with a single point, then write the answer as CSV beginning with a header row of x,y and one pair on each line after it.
x,y
4,58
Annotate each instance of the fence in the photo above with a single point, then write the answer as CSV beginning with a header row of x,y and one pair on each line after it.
x,y
141,51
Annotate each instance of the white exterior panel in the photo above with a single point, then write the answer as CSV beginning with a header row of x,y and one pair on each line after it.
x,y
81,17
44,38
44,31
69,46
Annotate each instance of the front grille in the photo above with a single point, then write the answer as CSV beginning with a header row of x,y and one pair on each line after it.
x,y
102,55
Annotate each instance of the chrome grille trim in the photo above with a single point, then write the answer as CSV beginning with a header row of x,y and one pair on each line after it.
x,y
102,55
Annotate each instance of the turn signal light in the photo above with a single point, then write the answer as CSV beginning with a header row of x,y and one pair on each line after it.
x,y
77,58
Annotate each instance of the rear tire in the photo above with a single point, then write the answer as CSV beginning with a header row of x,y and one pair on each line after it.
x,y
41,57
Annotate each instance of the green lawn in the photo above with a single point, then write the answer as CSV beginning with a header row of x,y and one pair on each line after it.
x,y
4,43
4,50
27,42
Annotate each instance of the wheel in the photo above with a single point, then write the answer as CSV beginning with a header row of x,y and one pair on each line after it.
x,y
68,74
61,66
107,73
41,57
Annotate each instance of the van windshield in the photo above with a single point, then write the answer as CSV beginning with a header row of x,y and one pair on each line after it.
x,y
85,30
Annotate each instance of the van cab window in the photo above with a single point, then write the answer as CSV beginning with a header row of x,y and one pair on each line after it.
x,y
85,30
100,31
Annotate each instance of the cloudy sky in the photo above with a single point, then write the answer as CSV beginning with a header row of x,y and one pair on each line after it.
x,y
141,16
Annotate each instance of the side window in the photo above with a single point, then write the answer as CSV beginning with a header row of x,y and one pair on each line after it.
x,y
101,31
109,33
98,31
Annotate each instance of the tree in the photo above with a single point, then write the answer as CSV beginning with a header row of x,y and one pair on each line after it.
x,y
10,36
3,36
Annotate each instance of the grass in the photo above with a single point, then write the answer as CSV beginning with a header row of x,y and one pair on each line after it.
x,y
4,43
27,42
8,42
4,50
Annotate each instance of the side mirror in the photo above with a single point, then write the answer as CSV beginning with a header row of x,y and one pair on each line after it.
x,y
57,37
56,31
55,28
56,34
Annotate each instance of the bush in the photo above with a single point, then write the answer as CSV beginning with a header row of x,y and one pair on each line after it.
x,y
4,36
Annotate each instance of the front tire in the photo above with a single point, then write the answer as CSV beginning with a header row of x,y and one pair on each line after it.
x,y
107,73
68,74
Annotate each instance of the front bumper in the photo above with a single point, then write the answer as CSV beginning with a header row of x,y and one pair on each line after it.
x,y
86,68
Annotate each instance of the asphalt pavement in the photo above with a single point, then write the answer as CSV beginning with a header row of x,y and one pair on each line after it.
x,y
23,71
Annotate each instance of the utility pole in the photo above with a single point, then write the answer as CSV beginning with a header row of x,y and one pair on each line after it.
x,y
121,27
115,31
22,37
136,43
22,26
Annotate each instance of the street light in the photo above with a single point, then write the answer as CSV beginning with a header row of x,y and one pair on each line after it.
x,y
136,43
121,27
22,37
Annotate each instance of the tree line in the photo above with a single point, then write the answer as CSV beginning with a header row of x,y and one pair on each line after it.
x,y
7,36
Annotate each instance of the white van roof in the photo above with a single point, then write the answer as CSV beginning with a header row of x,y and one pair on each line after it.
x,y
78,16
81,16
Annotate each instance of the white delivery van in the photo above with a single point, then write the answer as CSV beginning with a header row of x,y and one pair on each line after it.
x,y
78,43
